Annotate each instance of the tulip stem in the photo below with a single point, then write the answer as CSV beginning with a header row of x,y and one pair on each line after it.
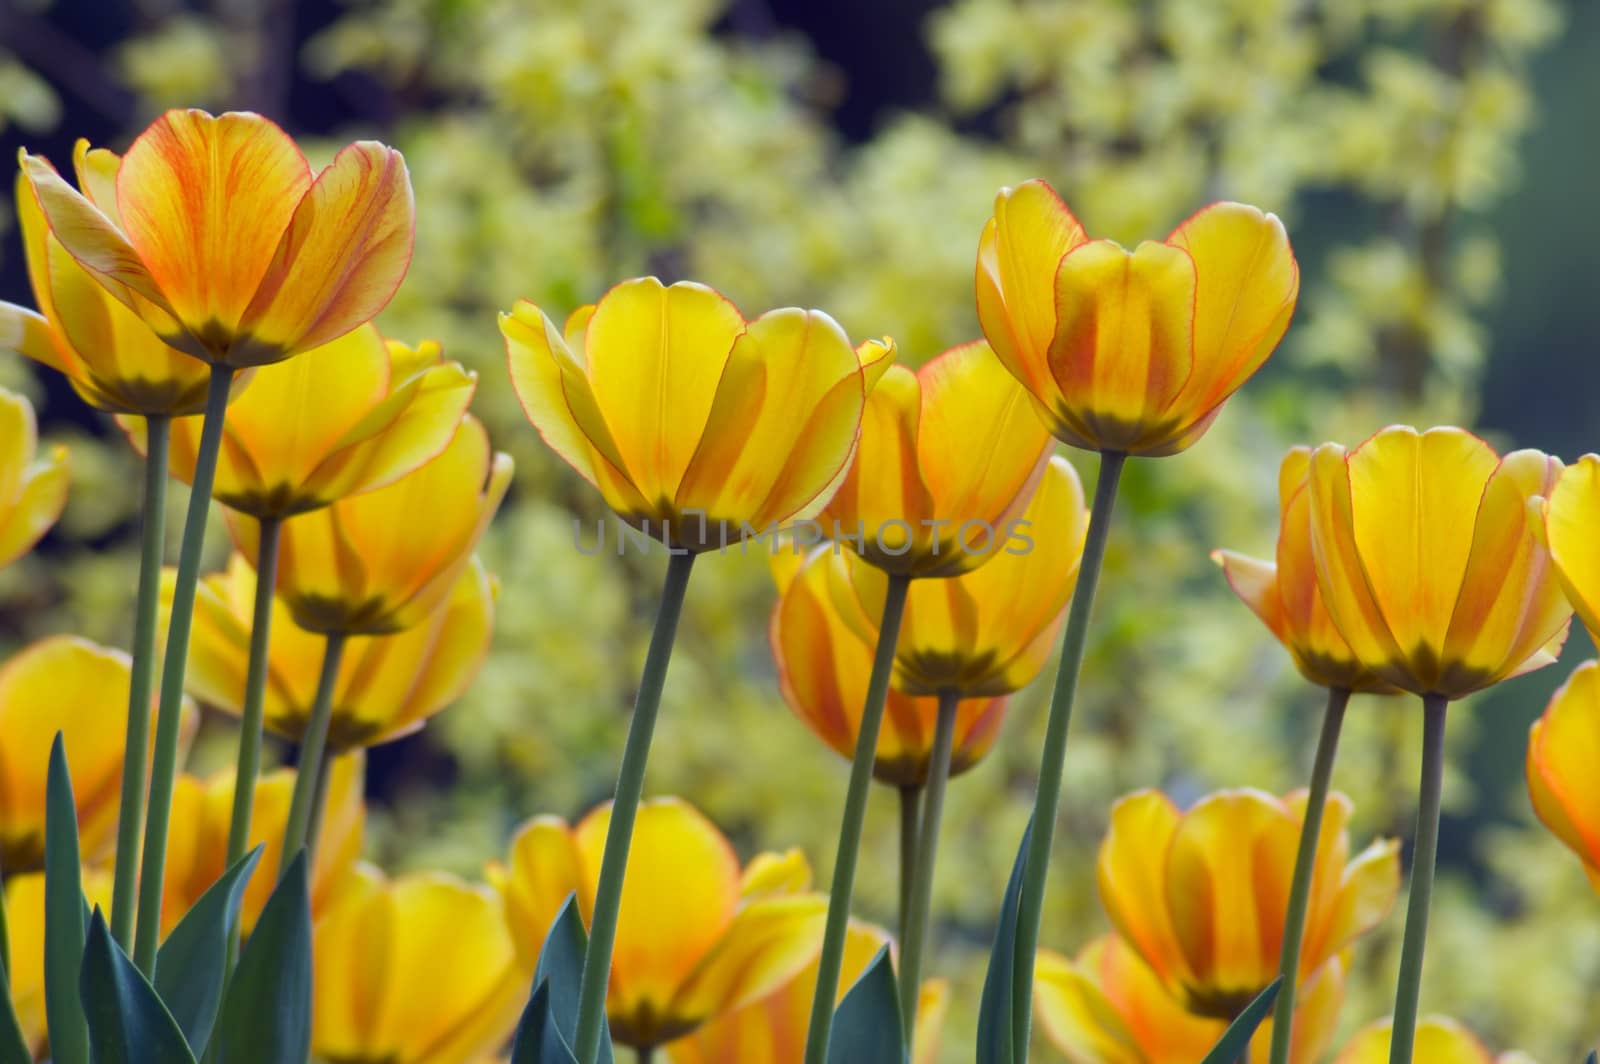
x,y
299,830
944,734
1294,924
141,680
255,690
1052,763
169,713
619,834
1408,993
910,812
831,959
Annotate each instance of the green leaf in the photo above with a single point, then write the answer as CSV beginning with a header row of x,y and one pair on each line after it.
x,y
538,1040
127,1022
13,1046
1236,1039
63,915
189,968
997,1035
866,1027
266,1018
561,968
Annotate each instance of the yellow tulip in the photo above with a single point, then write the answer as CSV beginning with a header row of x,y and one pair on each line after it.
x,y
1571,516
1132,352
105,350
1563,750
1201,895
823,668
1429,561
414,970
388,685
33,487
1440,1040
697,937
24,904
385,560
215,231
197,847
948,457
1108,1007
697,427
1285,595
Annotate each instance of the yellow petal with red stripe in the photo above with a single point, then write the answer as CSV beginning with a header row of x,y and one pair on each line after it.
x,y
1571,516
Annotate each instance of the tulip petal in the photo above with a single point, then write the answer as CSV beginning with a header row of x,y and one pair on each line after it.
x,y
1131,872
1366,895
1563,748
767,943
933,1005
96,170
543,869
1571,516
1438,1041
770,874
1256,584
38,494
28,334
1076,1015
886,480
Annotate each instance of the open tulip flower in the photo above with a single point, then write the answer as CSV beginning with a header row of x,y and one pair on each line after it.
x,y
1132,352
413,970
214,230
388,685
1201,895
1108,1007
33,487
697,426
1430,562
1563,751
23,951
1440,1040
948,457
1572,515
697,937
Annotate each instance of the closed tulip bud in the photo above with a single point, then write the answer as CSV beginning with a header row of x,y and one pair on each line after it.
x,y
1571,517
1563,752
1201,895
697,426
1440,1040
1430,561
1132,352
216,233
23,951
1108,1007
33,487
697,936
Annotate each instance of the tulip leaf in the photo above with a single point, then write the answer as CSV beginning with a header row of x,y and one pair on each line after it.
x,y
189,968
538,1039
997,1031
64,923
13,1045
866,1027
128,1024
1235,1040
266,1017
561,968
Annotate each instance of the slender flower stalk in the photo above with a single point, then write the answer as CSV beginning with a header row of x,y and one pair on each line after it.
x,y
1052,764
164,765
255,690
624,809
831,958
141,684
1294,924
1409,990
910,816
310,780
916,923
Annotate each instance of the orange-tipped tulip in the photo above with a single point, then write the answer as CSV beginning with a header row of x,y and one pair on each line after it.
x,y
197,848
1132,351
388,686
1285,595
1429,558
1201,895
823,668
215,231
384,561
1440,1040
697,936
105,350
948,457
1108,1007
1571,517
696,426
1563,752
24,972
366,411
33,487
414,970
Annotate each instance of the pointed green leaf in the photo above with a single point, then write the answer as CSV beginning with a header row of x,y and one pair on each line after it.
x,y
189,968
561,968
1236,1039
13,1046
63,915
266,1018
127,1022
866,1027
538,1040
997,1034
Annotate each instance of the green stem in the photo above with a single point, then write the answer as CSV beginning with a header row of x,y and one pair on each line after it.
x,y
297,830
911,946
169,714
619,834
255,691
831,959
1408,993
1294,924
910,812
141,680
1052,763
